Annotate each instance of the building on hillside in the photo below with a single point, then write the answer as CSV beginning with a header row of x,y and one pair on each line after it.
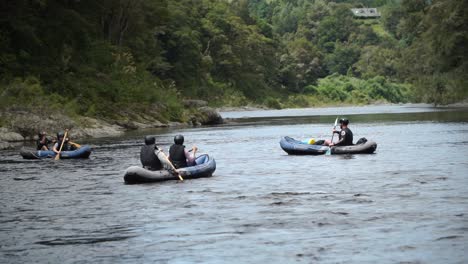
x,y
365,12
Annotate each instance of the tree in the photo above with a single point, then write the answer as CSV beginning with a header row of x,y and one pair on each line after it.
x,y
343,57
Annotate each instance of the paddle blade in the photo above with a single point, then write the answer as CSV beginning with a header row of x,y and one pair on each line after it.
x,y
57,157
328,151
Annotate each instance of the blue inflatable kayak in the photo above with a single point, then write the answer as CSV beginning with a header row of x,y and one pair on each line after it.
x,y
82,153
204,167
295,147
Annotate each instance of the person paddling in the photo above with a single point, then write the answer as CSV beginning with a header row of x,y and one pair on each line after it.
x,y
60,138
345,135
179,156
42,142
67,144
148,155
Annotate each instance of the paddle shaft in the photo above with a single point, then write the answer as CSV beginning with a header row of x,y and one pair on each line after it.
x,y
57,157
333,134
334,128
331,141
170,163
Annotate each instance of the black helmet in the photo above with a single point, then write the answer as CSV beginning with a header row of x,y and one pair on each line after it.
x,y
149,140
60,134
179,139
344,121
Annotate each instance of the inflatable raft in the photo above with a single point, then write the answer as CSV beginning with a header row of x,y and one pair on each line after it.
x,y
204,167
365,148
295,147
82,153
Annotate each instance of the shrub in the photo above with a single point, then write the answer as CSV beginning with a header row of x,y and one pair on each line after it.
x,y
339,88
272,103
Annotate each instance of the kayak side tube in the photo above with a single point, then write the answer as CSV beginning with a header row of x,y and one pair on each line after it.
x,y
367,148
295,147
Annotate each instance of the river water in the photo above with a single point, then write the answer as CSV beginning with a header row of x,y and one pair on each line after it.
x,y
407,203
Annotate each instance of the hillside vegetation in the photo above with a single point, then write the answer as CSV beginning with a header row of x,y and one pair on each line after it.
x,y
113,58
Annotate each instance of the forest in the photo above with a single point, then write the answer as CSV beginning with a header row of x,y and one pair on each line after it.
x,y
108,58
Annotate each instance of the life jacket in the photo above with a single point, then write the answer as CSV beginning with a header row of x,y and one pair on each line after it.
x,y
177,156
66,145
148,158
348,137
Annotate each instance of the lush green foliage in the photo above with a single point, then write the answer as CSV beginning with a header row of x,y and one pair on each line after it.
x,y
110,58
435,58
350,90
354,90
417,42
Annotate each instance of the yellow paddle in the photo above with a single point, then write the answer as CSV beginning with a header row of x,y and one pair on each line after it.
x,y
57,157
170,163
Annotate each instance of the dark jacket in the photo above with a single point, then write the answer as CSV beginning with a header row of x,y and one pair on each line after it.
x,y
42,142
66,146
177,156
148,158
345,137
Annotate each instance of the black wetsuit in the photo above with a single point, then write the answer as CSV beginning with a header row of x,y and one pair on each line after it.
x,y
345,137
41,143
177,156
148,158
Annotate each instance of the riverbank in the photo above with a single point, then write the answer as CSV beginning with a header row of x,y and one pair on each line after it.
x,y
460,104
331,104
20,126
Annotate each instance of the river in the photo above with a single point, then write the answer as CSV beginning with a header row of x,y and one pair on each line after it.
x,y
407,203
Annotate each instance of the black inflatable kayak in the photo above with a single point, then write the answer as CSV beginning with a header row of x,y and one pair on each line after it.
x,y
365,148
205,166
296,147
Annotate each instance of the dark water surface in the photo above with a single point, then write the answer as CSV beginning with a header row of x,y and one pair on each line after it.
x,y
406,203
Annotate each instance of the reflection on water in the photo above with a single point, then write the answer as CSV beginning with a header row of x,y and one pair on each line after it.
x,y
398,114
406,203
333,111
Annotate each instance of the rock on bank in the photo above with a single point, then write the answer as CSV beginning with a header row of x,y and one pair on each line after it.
x,y
18,126
21,126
